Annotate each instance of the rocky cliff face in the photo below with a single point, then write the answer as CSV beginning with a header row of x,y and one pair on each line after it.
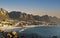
x,y
3,14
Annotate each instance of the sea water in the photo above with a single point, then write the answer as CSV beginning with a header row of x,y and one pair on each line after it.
x,y
44,31
40,31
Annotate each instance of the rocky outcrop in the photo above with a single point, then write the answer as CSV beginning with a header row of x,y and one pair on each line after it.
x,y
3,14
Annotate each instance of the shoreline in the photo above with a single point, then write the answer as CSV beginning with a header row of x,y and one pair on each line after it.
x,y
30,26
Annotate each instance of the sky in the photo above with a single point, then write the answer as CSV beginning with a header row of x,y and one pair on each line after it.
x,y
36,7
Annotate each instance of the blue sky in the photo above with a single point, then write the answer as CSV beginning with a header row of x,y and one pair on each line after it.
x,y
38,7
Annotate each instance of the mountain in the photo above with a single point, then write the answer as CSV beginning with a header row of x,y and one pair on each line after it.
x,y
14,14
17,15
20,15
32,18
3,14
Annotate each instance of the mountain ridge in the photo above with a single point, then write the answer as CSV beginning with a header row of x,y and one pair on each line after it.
x,y
17,15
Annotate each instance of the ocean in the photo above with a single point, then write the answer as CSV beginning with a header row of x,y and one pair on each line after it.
x,y
39,31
